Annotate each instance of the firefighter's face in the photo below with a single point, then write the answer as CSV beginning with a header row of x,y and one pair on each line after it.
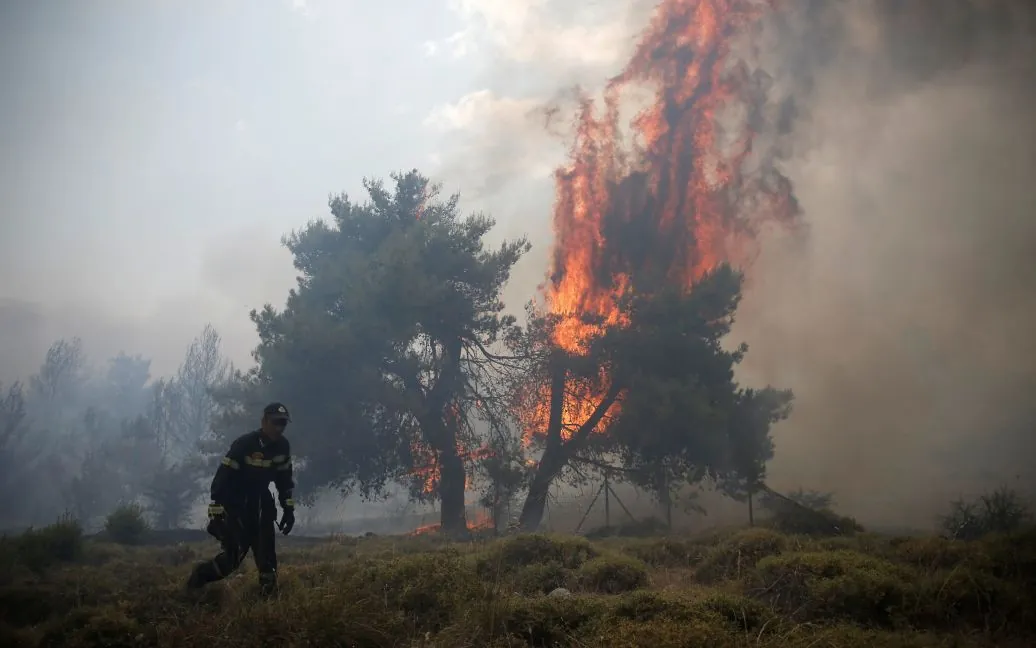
x,y
273,428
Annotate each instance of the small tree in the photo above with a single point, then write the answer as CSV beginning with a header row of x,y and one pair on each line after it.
x,y
1000,511
203,371
172,491
127,524
383,350
506,473
16,454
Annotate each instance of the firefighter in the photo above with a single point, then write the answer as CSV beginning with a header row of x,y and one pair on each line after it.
x,y
242,513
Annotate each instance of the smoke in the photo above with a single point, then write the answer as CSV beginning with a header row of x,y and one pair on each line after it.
x,y
902,318
236,270
900,313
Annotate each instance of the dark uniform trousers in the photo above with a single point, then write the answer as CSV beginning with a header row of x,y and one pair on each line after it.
x,y
250,526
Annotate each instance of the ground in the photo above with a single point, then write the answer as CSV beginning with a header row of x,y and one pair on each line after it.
x,y
749,587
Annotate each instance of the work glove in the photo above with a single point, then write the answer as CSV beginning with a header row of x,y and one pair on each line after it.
x,y
217,521
287,521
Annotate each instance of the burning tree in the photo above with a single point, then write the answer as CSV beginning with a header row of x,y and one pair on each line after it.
x,y
382,351
654,391
627,352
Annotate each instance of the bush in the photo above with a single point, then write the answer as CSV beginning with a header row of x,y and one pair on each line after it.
x,y
739,553
613,574
941,553
86,627
667,552
844,585
969,597
549,621
127,524
1001,511
540,579
39,549
430,589
532,549
427,594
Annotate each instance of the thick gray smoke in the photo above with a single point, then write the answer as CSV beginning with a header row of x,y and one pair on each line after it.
x,y
903,317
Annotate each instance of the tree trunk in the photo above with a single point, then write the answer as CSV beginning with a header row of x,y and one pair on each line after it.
x,y
558,453
440,432
552,461
536,501
453,520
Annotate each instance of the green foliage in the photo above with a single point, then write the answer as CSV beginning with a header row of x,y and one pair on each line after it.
x,y
127,524
667,552
735,556
431,587
539,578
531,549
792,515
1001,511
613,574
382,350
505,473
841,585
41,548
172,489
384,592
682,408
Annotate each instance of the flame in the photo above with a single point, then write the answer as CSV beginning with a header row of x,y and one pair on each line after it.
x,y
478,521
426,466
677,202
427,469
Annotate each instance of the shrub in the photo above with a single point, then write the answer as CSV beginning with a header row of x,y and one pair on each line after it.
x,y
969,597
430,590
739,554
532,563
835,585
613,574
127,524
667,552
535,548
85,627
540,579
551,622
39,549
1001,511
941,553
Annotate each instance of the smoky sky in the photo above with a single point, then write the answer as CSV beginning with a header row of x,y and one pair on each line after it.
x,y
900,315
153,154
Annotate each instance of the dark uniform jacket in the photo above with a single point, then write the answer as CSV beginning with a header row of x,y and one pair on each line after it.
x,y
246,471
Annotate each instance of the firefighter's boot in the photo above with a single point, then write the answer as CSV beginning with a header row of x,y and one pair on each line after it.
x,y
202,574
267,583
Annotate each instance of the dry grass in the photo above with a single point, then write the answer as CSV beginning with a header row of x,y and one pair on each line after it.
x,y
754,587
